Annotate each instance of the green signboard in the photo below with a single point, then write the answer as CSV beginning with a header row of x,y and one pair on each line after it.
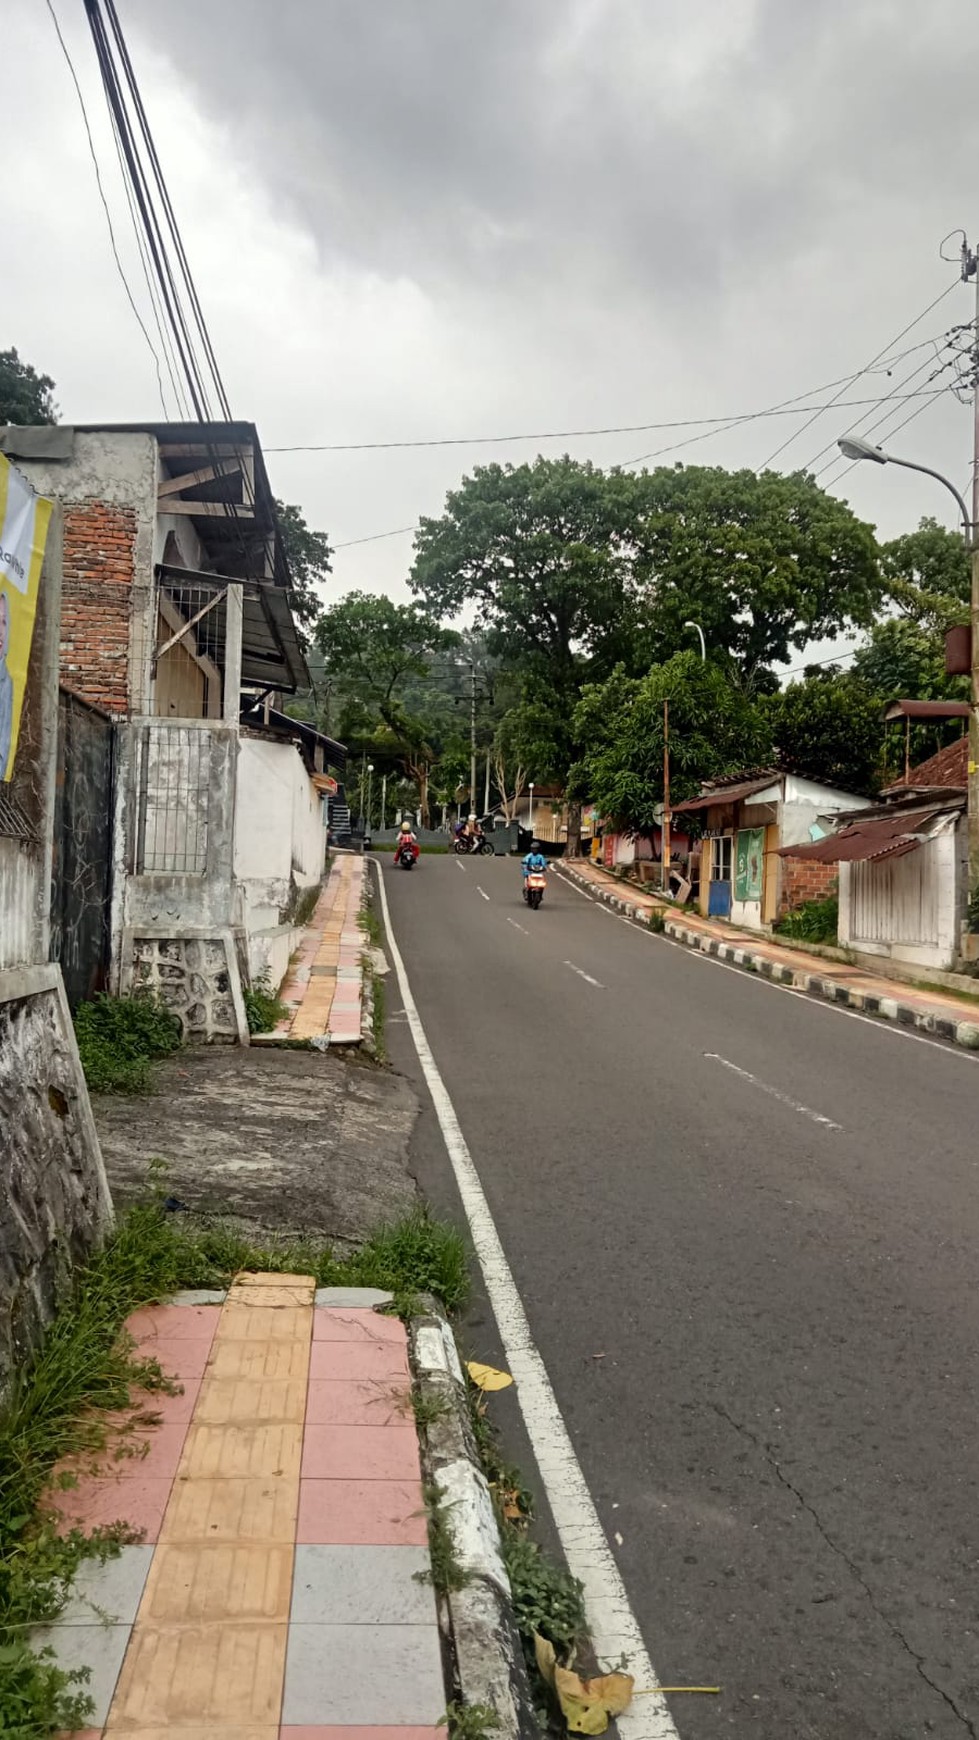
x,y
750,864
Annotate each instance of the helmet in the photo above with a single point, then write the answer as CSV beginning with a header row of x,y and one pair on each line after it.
x,y
406,827
535,845
472,818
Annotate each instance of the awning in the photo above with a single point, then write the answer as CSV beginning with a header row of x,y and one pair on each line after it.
x,y
877,837
732,794
927,710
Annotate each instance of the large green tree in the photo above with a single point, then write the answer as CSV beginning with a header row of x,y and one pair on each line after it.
x,y
25,396
764,564
309,555
375,650
830,728
714,728
927,573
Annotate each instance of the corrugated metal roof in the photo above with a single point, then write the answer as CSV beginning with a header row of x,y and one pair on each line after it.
x,y
728,794
927,710
879,836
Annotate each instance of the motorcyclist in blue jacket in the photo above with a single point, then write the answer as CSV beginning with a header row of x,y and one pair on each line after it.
x,y
535,860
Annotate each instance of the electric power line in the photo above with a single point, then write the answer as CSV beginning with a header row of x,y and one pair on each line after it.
x,y
105,204
872,363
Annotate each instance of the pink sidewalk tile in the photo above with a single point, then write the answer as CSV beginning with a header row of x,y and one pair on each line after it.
x,y
357,1359
358,1402
172,1410
360,1453
354,1323
96,1502
361,1513
174,1323
183,1360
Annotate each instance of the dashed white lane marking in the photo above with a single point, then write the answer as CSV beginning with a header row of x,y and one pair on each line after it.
x,y
460,865
518,927
612,1625
773,1092
482,891
888,1027
586,976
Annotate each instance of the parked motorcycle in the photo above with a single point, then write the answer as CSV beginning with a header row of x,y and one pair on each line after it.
x,y
407,854
533,888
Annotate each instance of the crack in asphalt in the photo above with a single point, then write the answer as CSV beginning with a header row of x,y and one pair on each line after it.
x,y
768,1453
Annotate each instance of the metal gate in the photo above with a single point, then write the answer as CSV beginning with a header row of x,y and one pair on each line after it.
x,y
82,868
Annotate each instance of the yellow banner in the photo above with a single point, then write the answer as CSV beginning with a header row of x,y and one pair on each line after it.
x,y
24,520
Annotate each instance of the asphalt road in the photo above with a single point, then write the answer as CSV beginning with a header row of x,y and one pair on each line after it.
x,y
744,1226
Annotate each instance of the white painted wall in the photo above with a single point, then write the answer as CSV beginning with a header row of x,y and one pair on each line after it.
x,y
907,908
803,801
280,840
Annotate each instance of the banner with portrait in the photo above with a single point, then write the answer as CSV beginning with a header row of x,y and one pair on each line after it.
x,y
24,520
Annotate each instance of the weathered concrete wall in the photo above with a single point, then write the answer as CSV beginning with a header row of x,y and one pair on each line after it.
x,y
198,979
56,1203
280,836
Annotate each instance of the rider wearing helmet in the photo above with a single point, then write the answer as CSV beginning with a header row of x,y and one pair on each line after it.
x,y
535,860
406,837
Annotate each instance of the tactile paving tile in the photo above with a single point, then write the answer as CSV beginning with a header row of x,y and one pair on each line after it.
x,y
225,1581
223,1675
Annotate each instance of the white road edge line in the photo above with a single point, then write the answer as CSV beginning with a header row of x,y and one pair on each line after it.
x,y
586,976
482,891
518,927
612,1624
888,1027
773,1092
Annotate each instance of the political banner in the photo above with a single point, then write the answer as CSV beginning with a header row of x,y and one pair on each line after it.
x,y
24,520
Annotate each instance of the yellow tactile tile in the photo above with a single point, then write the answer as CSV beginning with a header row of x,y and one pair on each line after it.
x,y
306,1282
221,1581
231,1510
223,1676
236,1452
245,1322
266,1297
235,1732
227,1401
275,1360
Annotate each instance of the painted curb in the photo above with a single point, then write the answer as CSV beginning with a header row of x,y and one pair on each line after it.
x,y
487,1656
963,1033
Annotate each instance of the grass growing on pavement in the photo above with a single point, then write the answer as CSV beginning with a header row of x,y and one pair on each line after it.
x,y
546,1598
119,1040
86,1368
471,1721
263,1005
445,1573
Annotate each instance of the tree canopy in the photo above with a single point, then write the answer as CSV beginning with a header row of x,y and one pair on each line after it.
x,y
830,728
25,396
309,555
714,729
927,574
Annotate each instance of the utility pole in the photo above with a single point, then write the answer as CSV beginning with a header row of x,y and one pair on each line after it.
x,y
472,736
667,817
384,797
970,269
486,789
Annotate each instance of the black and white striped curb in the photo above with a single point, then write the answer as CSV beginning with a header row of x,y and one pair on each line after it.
x,y
964,1033
485,1655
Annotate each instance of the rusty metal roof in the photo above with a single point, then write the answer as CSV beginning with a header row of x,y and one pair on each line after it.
x,y
728,794
873,837
927,710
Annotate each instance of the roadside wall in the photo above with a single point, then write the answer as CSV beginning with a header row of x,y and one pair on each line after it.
x,y
53,1191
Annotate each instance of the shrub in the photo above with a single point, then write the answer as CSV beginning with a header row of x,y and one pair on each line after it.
x,y
815,921
119,1038
263,1005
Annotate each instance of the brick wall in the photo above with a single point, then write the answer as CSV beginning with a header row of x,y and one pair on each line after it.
x,y
802,879
99,564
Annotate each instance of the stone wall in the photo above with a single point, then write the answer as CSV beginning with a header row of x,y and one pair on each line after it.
x,y
55,1198
197,978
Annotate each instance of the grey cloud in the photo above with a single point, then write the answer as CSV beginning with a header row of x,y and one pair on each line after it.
x,y
650,145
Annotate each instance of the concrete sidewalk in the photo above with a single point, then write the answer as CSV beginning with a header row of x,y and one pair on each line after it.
x,y
930,1012
323,989
276,1589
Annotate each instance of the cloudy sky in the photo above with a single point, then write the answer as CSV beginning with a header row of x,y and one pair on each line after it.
x,y
422,219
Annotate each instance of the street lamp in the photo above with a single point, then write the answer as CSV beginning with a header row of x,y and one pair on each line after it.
x,y
852,449
530,817
697,628
370,792
855,450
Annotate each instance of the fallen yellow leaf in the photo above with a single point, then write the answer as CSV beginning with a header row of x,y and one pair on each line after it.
x,y
486,1377
586,1704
